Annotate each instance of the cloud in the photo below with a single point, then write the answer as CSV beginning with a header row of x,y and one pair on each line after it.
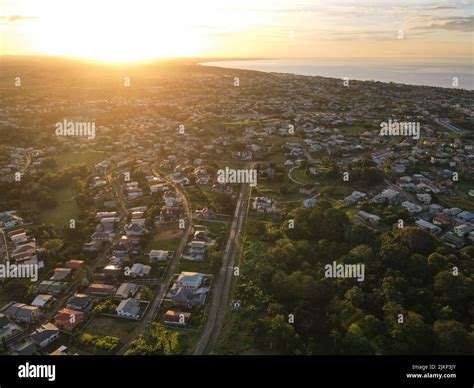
x,y
453,23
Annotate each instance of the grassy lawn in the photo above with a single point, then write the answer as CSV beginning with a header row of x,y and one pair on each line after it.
x,y
116,327
271,156
353,130
89,158
65,210
462,200
166,237
272,190
194,266
198,198
215,228
300,175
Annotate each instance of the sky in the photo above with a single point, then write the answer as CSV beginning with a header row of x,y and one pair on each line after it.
x,y
135,30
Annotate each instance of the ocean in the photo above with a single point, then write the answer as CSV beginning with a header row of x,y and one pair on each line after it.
x,y
429,72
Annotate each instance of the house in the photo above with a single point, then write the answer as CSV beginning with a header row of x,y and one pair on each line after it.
x,y
158,255
20,312
200,228
198,250
412,207
18,236
79,302
92,246
264,205
441,219
7,327
139,270
391,196
204,214
42,300
188,290
44,335
471,236
100,215
462,230
98,290
176,318
188,296
192,280
453,241
127,290
424,198
26,348
68,319
307,189
61,273
433,229
128,308
310,202
355,197
465,217
62,351
372,218
75,264
113,270
50,287
134,229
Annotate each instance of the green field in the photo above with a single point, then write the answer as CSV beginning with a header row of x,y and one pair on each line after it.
x,y
194,266
272,190
300,175
60,215
89,158
462,200
108,326
160,239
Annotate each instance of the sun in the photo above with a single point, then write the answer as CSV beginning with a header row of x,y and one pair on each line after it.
x,y
117,31
132,30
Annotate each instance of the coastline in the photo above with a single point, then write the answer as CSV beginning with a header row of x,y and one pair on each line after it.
x,y
391,72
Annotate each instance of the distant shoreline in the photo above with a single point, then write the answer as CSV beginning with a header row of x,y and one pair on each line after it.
x,y
438,72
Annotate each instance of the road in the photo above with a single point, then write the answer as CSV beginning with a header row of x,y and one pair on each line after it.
x,y
170,271
221,290
293,179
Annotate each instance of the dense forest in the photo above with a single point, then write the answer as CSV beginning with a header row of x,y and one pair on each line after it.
x,y
416,298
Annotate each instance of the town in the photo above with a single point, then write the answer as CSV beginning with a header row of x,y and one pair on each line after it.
x,y
143,246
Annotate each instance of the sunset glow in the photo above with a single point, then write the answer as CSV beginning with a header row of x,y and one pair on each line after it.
x,y
140,30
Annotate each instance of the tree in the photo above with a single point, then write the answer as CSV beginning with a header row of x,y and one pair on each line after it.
x,y
45,200
80,277
452,338
417,240
215,261
355,296
355,342
412,336
156,341
361,234
223,203
278,334
146,294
